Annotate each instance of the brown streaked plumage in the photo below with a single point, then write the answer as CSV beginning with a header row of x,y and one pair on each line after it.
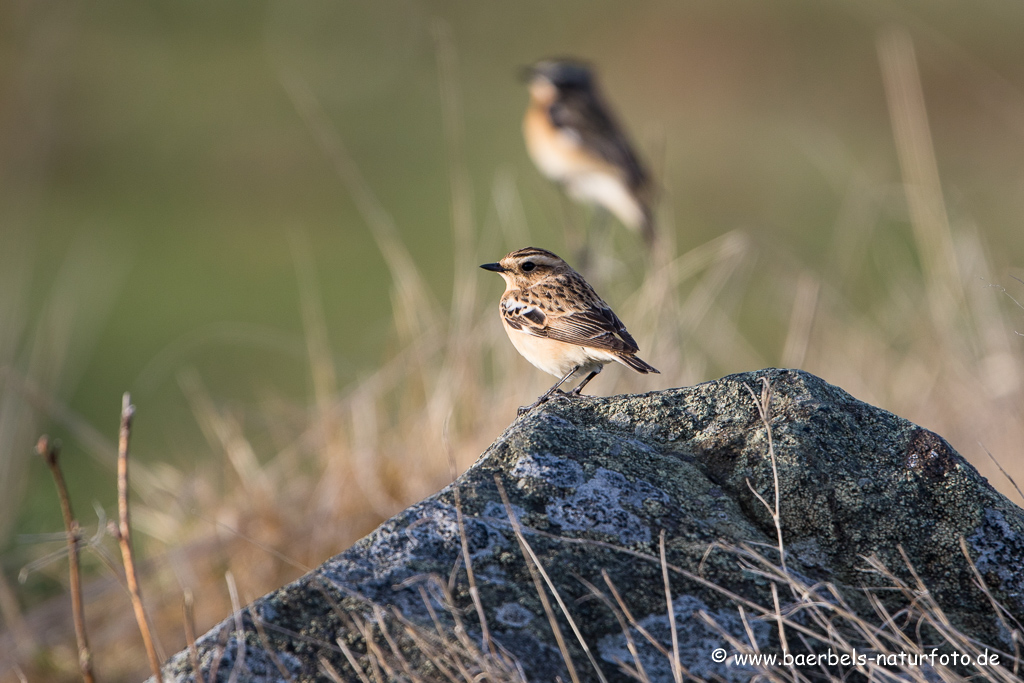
x,y
575,140
558,322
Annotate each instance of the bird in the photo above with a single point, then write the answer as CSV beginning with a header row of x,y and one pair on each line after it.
x,y
575,140
557,321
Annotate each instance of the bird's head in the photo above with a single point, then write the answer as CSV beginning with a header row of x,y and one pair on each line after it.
x,y
526,267
548,78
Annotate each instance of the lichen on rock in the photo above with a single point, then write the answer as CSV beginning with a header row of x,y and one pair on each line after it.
x,y
594,482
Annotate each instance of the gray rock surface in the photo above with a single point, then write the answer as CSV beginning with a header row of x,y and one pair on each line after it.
x,y
594,482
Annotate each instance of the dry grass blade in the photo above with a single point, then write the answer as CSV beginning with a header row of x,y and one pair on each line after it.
x,y
1000,611
920,172
632,620
352,661
527,555
218,653
764,409
1005,473
558,598
124,535
781,625
474,592
461,203
224,432
433,655
415,313
677,673
751,637
379,616
261,632
14,619
639,673
236,615
323,372
332,673
373,653
561,604
51,453
188,618
801,320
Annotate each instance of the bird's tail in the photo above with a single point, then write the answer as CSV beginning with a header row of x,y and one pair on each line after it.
x,y
634,362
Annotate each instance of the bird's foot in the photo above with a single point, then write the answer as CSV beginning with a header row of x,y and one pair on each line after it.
x,y
557,393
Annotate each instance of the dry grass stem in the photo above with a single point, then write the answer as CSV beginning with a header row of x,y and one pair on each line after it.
x,y
124,536
188,618
236,616
333,674
801,321
1004,472
261,632
51,454
677,673
920,172
639,672
632,621
538,587
764,410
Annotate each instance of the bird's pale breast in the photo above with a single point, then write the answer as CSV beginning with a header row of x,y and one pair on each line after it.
x,y
555,357
560,156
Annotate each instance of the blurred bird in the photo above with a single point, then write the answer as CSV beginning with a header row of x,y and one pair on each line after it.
x,y
574,140
558,322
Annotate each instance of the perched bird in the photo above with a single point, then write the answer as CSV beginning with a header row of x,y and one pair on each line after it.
x,y
574,140
558,322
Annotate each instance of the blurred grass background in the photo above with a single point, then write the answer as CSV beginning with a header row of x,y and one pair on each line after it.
x,y
173,223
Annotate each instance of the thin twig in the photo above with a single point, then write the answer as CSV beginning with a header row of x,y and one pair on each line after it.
x,y
50,452
124,534
764,409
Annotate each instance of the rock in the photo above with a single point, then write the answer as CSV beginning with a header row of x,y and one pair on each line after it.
x,y
594,482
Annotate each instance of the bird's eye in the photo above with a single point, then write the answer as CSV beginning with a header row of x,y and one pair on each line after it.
x,y
528,266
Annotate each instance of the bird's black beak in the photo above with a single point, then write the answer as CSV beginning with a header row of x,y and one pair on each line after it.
x,y
495,267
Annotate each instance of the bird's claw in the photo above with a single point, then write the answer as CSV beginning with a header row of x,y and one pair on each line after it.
x,y
557,393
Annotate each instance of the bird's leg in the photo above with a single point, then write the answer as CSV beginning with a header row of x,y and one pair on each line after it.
x,y
549,393
586,380
575,235
598,247
600,222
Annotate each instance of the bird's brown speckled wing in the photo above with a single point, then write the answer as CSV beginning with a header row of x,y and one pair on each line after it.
x,y
597,326
585,115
